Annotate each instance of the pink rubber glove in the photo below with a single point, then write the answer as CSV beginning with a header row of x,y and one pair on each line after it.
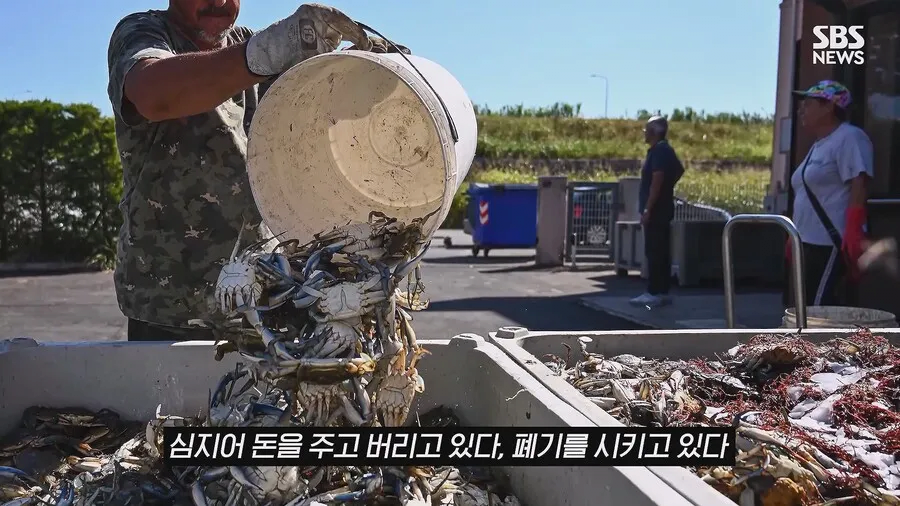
x,y
854,239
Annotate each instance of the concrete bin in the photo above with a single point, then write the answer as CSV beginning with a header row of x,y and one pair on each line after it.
x,y
476,379
528,348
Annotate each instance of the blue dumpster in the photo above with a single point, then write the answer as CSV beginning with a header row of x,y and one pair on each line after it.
x,y
502,216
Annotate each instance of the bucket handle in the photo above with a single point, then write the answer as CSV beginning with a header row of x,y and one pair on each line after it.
x,y
453,131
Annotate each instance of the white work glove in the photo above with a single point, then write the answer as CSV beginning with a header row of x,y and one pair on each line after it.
x,y
312,30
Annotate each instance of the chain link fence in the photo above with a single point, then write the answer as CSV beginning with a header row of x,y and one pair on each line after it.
x,y
700,200
593,210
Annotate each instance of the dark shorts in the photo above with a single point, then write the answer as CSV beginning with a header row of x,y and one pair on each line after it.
x,y
143,331
658,252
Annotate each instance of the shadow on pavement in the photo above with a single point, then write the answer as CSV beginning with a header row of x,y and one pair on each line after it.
x,y
470,260
540,313
525,268
704,287
47,272
593,267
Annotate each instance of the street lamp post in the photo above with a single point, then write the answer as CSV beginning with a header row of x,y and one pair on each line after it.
x,y
606,101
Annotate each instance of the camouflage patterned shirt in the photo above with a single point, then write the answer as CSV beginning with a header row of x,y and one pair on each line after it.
x,y
186,189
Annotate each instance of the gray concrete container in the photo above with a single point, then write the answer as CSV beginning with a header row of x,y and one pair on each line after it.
x,y
528,349
476,379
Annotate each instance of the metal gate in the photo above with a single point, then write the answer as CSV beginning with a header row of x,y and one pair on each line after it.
x,y
593,210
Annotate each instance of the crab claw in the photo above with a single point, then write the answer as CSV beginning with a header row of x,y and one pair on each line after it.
x,y
404,269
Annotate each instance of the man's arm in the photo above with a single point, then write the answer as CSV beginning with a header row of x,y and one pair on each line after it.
x,y
187,84
149,82
656,184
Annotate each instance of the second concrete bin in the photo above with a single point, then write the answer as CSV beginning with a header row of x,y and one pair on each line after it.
x,y
528,349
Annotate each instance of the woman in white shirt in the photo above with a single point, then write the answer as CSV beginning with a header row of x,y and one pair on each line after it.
x,y
830,188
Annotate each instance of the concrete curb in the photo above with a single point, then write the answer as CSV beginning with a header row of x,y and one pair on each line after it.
x,y
26,268
35,268
587,302
688,312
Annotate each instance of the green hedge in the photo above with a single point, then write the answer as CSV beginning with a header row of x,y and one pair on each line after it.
x,y
61,180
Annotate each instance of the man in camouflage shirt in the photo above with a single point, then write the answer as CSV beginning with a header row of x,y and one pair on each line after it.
x,y
184,84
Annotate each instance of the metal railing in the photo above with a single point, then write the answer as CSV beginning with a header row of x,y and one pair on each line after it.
x,y
883,202
737,197
797,261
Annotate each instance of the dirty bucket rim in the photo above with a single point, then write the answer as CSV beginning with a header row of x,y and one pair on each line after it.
x,y
437,120
439,115
856,317
878,313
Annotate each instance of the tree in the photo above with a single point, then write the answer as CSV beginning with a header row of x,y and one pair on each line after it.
x,y
60,181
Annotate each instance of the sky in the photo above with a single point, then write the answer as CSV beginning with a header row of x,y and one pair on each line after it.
x,y
713,55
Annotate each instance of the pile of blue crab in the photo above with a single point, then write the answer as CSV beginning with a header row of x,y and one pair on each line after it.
x,y
328,323
325,335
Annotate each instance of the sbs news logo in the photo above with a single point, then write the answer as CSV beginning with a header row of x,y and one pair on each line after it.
x,y
837,44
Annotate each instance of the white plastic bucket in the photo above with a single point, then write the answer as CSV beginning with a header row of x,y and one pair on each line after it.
x,y
831,317
350,132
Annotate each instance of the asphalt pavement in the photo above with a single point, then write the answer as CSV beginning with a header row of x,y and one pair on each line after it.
x,y
468,295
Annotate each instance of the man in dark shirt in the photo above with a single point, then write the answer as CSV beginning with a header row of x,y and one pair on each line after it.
x,y
662,170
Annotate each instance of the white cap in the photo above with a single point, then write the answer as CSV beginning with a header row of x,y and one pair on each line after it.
x,y
657,124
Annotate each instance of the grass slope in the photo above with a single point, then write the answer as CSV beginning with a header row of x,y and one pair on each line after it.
x,y
543,137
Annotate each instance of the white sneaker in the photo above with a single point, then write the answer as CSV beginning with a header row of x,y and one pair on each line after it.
x,y
642,299
648,300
